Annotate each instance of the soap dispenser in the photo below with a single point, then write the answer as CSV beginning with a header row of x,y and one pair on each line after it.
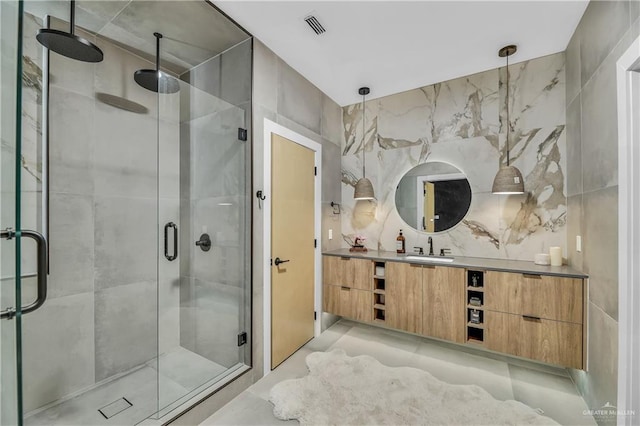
x,y
400,243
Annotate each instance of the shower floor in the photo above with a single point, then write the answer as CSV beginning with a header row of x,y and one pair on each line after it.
x,y
181,371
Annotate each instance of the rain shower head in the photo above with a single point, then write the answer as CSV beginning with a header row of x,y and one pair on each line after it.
x,y
121,103
69,44
156,80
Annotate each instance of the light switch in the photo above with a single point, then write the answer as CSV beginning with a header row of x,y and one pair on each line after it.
x,y
578,243
331,234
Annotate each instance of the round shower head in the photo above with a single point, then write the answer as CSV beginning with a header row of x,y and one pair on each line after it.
x,y
156,81
121,103
69,45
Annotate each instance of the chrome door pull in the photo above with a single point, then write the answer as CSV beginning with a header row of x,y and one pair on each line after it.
x,y
278,261
42,270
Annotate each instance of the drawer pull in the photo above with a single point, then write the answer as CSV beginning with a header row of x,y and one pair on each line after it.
x,y
345,288
533,276
531,318
345,258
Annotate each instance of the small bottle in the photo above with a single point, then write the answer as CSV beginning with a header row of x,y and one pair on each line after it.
x,y
400,243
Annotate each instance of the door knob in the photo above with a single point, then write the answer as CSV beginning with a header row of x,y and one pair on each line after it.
x,y
279,261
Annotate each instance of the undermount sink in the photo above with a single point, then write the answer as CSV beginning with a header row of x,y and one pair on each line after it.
x,y
438,259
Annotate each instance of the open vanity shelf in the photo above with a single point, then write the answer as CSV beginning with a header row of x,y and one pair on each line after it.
x,y
475,306
379,292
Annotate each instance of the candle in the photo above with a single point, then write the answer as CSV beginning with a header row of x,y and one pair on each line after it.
x,y
556,256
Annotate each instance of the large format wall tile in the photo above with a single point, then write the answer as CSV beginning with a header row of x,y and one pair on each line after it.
x,y
574,147
126,153
71,244
58,349
235,74
265,82
331,120
601,28
71,143
125,241
599,129
572,71
458,122
600,384
601,248
298,99
126,327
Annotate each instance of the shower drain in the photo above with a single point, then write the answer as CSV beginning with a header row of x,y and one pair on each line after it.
x,y
117,406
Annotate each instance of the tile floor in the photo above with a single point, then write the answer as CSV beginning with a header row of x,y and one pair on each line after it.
x,y
539,386
180,372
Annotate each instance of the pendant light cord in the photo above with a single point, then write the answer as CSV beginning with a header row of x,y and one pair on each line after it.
x,y
508,122
363,138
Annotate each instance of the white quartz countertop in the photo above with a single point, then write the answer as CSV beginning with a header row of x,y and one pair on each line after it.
x,y
478,263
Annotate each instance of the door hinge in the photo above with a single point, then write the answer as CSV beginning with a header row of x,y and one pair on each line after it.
x,y
242,338
315,243
315,315
242,134
315,171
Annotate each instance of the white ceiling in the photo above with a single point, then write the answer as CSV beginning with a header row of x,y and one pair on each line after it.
x,y
393,46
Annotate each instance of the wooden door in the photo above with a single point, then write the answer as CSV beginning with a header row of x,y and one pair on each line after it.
x,y
444,311
292,239
429,207
403,296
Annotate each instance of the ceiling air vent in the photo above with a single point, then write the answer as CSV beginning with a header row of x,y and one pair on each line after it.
x,y
315,25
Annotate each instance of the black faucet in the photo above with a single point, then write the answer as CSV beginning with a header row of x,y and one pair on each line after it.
x,y
430,241
419,249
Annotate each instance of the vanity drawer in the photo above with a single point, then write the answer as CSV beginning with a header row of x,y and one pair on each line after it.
x,y
544,296
347,272
553,342
347,302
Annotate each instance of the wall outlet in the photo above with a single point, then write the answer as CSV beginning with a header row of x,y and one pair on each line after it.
x,y
331,234
578,243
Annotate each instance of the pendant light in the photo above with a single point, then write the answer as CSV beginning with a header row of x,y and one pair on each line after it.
x,y
364,188
508,180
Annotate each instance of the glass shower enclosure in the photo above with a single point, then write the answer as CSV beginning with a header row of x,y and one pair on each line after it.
x,y
143,198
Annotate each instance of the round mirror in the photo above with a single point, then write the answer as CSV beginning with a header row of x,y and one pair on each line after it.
x,y
433,197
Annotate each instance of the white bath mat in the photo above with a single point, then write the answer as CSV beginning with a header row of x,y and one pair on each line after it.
x,y
344,390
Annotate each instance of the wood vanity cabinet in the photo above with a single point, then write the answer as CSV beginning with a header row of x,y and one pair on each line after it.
x,y
426,299
348,302
535,316
348,287
444,307
348,272
403,297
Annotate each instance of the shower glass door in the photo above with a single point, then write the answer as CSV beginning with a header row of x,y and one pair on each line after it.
x,y
10,397
203,280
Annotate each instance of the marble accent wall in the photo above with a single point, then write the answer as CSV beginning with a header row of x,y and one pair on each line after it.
x,y
463,122
605,32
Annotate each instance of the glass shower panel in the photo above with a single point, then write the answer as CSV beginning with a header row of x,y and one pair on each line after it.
x,y
204,292
10,403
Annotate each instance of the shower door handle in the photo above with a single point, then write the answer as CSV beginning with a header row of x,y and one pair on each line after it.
x,y
174,256
42,270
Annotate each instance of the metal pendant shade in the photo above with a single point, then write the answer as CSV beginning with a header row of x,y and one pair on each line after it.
x,y
509,179
364,187
68,44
